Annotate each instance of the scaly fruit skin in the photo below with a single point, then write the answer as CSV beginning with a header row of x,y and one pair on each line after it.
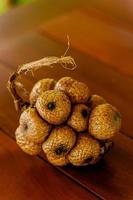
x,y
86,151
27,146
78,92
79,117
64,83
95,100
54,106
40,87
33,127
57,161
104,122
60,141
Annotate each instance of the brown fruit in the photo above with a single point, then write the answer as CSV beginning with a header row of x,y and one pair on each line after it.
x,y
27,146
40,87
104,122
57,161
78,92
96,100
79,117
33,127
58,144
64,84
54,106
86,151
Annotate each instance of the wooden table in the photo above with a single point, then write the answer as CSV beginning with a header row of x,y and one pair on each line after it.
x,y
101,38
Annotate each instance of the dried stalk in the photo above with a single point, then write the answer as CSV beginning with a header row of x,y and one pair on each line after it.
x,y
66,62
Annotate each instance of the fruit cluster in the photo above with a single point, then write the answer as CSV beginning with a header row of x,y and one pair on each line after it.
x,y
68,123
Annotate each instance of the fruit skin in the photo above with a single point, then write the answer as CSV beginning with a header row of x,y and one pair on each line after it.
x,y
60,110
86,151
57,161
78,92
79,117
27,146
40,87
95,100
33,127
64,83
104,122
60,141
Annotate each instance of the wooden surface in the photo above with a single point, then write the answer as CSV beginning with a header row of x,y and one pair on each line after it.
x,y
101,37
23,176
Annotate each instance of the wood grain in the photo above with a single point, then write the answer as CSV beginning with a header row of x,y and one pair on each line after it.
x,y
26,18
22,176
96,37
120,10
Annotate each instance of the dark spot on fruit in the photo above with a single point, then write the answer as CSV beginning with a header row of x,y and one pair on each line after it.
x,y
88,160
84,113
117,116
61,149
25,126
51,105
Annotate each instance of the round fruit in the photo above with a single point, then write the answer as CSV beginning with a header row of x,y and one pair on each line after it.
x,y
58,144
33,127
64,84
78,92
96,100
79,117
40,87
54,106
27,146
86,151
104,122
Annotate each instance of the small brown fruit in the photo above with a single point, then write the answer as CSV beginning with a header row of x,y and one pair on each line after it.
x,y
33,127
104,122
96,100
40,87
58,144
54,106
86,151
64,84
27,146
79,117
78,92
